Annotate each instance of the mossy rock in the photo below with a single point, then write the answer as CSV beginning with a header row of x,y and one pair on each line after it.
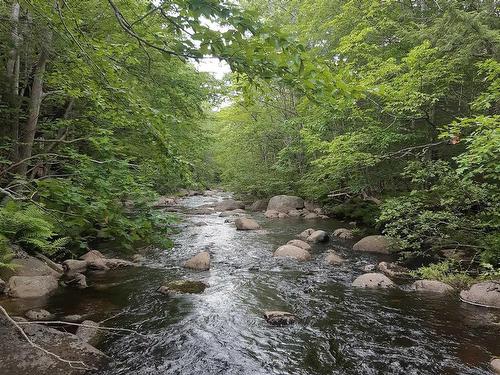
x,y
183,286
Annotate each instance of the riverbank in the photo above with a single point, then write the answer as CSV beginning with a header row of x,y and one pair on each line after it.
x,y
339,329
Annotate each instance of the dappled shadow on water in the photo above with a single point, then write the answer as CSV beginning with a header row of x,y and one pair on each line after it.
x,y
340,330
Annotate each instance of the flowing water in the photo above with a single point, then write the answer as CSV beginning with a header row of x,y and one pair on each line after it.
x,y
341,330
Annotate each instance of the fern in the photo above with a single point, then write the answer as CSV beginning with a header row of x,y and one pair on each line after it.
x,y
30,228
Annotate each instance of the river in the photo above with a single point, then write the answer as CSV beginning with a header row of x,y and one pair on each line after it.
x,y
341,330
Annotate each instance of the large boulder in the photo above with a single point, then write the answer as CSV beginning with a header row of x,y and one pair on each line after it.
x,y
299,243
200,262
432,286
486,294
246,224
373,280
334,259
229,205
394,270
292,252
31,286
19,357
285,203
318,236
343,233
73,266
373,244
304,235
89,332
259,205
28,266
279,318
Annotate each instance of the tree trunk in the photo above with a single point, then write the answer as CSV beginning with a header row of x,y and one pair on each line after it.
x,y
30,127
13,64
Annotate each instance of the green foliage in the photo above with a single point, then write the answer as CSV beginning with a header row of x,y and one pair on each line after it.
x,y
30,228
5,253
446,272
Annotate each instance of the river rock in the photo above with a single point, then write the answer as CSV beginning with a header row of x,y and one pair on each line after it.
x,y
285,203
271,214
28,266
113,263
200,262
78,280
73,266
201,211
38,314
495,365
294,213
343,233
183,286
19,357
305,234
312,206
432,286
292,252
373,280
486,294
88,332
139,258
369,268
393,270
334,259
246,224
259,205
299,243
92,255
229,205
74,318
318,236
164,202
31,286
3,286
279,318
373,244
311,215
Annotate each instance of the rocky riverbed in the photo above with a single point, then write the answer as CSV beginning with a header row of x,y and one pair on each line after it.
x,y
337,308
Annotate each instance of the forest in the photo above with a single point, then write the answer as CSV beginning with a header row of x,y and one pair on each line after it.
x,y
386,112
250,187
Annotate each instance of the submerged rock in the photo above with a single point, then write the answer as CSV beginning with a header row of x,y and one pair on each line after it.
x,y
486,294
183,286
285,203
306,233
433,286
343,233
38,314
200,262
279,318
333,258
19,357
373,280
373,244
246,224
31,286
318,236
292,252
299,243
